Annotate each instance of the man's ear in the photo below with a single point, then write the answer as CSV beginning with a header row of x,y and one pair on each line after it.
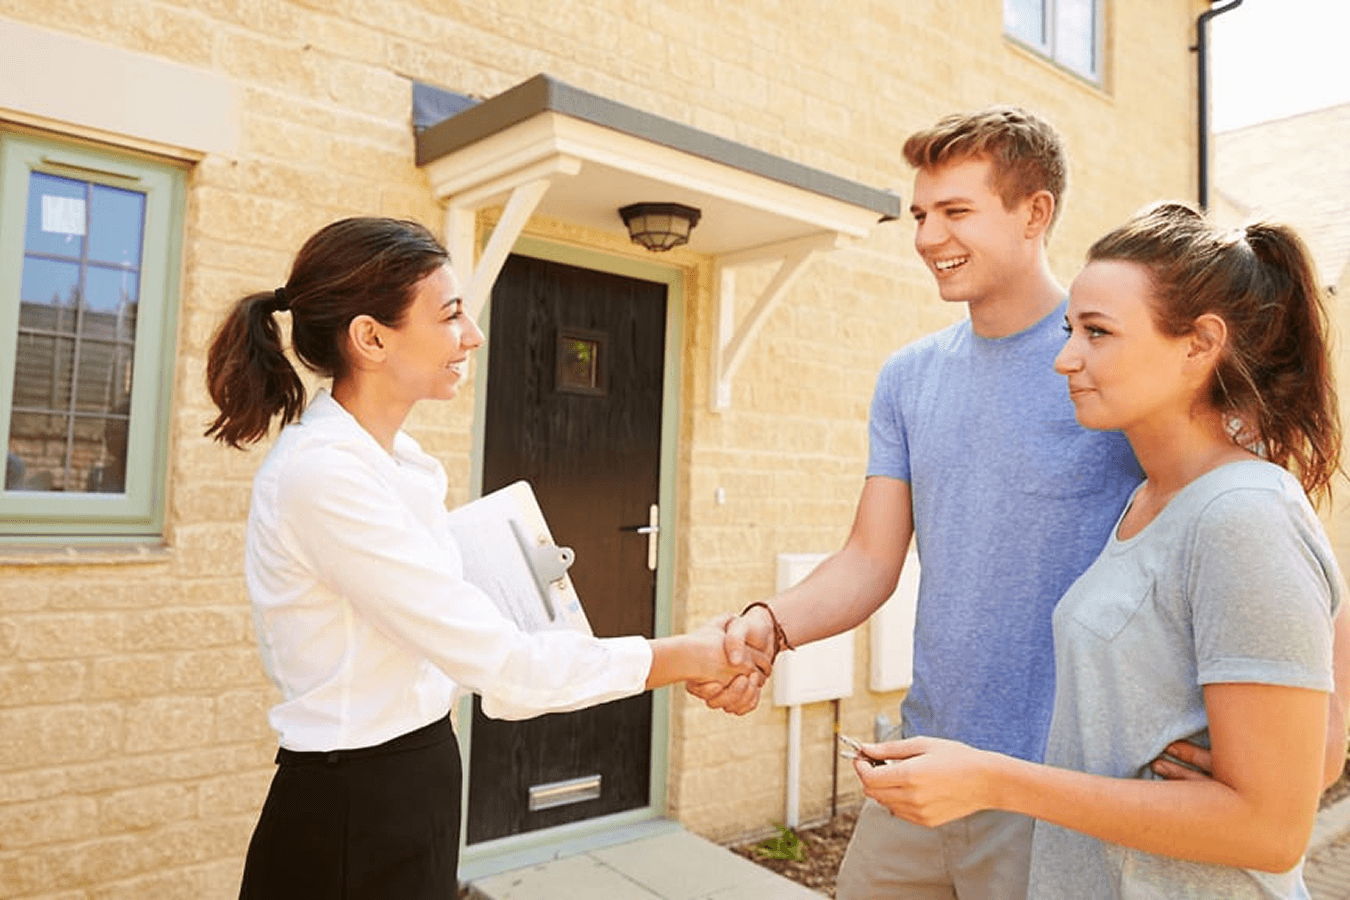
x,y
1208,335
363,337
1040,208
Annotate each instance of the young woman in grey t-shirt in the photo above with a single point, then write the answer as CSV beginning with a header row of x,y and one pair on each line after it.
x,y
1209,614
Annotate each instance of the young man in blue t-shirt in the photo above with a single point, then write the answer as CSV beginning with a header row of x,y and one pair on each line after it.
x,y
976,453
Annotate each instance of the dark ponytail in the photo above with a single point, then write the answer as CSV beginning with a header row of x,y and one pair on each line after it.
x,y
248,375
1286,359
1274,379
352,267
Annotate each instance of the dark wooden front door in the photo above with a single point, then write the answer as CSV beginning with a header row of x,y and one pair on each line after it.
x,y
574,407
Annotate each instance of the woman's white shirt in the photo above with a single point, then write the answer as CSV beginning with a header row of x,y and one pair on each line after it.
x,y
363,617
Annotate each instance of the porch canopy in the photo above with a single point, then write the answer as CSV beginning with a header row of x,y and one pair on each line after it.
x,y
549,148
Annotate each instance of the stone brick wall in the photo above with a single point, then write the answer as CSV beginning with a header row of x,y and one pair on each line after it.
x,y
134,748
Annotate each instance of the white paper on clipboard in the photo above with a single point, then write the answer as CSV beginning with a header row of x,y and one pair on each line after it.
x,y
510,555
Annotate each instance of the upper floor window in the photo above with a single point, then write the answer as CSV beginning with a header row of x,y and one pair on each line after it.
x,y
1067,31
89,270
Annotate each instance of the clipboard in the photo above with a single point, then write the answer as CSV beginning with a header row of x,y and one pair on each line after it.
x,y
509,554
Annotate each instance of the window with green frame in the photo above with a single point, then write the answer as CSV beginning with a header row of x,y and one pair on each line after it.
x,y
90,254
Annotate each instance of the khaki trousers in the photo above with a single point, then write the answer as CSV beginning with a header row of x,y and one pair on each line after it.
x,y
985,856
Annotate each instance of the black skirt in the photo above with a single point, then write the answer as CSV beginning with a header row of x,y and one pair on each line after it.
x,y
376,822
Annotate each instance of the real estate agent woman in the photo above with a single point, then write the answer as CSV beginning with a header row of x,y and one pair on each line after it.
x,y
363,618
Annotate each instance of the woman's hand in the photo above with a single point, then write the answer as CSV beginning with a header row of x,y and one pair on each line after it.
x,y
706,656
929,781
747,636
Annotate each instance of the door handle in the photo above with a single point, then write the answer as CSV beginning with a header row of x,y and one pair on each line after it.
x,y
652,530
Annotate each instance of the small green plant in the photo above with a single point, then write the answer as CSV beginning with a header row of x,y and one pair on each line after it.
x,y
784,845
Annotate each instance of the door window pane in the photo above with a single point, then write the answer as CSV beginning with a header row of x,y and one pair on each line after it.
x,y
77,329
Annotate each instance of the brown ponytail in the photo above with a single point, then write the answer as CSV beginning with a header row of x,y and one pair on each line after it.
x,y
1275,376
248,375
352,267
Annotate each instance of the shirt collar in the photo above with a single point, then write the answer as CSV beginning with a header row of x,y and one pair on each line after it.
x,y
326,414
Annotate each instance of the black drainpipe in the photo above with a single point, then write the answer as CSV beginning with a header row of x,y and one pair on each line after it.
x,y
1202,67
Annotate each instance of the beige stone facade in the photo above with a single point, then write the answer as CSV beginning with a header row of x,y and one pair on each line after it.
x,y
134,746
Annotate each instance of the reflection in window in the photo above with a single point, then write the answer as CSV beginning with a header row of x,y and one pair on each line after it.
x,y
79,291
581,362
1068,31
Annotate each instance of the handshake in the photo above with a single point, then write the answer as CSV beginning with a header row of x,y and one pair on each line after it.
x,y
727,661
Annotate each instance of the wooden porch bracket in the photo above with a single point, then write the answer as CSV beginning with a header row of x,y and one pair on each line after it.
x,y
730,339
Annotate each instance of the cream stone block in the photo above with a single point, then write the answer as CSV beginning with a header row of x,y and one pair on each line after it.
x,y
212,501
95,861
239,793
186,628
23,874
67,635
242,714
170,884
47,822
36,737
88,592
22,593
128,676
28,785
217,669
40,683
208,550
145,807
167,723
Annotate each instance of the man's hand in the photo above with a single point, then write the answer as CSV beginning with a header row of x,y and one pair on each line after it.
x,y
747,638
1195,764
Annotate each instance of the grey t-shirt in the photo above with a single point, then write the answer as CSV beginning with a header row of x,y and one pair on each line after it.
x,y
1234,581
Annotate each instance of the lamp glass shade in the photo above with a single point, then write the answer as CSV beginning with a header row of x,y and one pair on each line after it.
x,y
659,226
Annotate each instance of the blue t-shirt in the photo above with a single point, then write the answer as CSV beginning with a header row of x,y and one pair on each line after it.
x,y
1012,500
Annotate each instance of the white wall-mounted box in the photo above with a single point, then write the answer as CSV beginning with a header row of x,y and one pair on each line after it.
x,y
822,670
893,632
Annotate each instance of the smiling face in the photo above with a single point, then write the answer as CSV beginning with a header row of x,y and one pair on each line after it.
x,y
975,247
1122,371
428,353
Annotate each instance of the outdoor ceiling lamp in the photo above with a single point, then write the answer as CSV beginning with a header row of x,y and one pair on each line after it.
x,y
659,226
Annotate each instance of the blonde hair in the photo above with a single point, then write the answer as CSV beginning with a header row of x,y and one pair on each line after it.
x,y
1026,152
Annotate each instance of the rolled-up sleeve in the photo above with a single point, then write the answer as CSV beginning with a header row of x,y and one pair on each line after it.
x,y
364,543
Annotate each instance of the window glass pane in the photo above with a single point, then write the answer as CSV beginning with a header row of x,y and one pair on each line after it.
x,y
117,220
109,290
76,337
42,373
1025,20
37,453
48,294
56,215
98,460
1076,35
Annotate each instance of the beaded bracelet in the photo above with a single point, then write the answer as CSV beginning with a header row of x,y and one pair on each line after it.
x,y
780,639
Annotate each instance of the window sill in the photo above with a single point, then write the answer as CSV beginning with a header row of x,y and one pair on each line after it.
x,y
103,554
1095,84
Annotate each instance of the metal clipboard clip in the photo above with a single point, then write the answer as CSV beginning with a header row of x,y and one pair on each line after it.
x,y
548,563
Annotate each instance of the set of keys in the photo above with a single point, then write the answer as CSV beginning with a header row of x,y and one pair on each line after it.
x,y
853,749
